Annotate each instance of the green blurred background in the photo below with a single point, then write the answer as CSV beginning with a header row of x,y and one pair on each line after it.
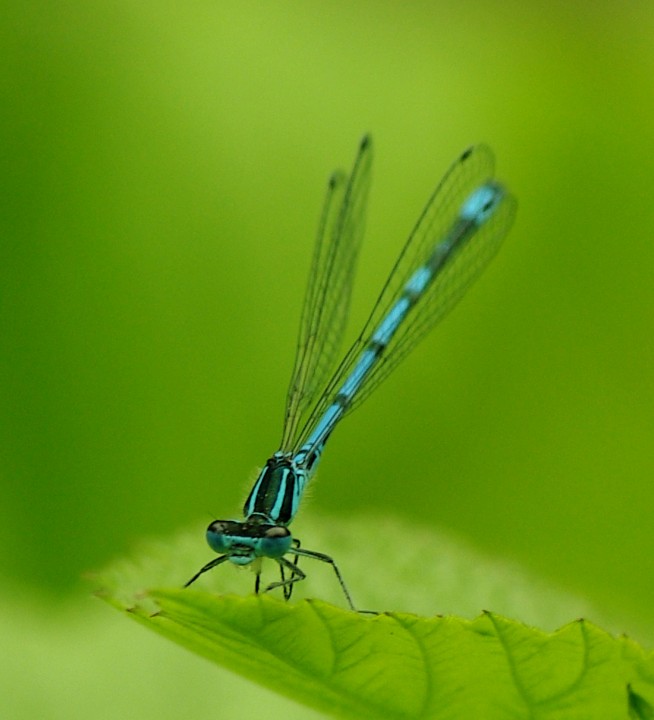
x,y
163,171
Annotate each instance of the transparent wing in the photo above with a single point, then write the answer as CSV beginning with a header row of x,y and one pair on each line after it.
x,y
472,169
329,288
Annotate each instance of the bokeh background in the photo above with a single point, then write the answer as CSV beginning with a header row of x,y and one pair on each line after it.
x,y
163,166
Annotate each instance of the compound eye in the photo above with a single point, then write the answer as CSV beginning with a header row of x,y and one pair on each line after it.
x,y
218,536
276,541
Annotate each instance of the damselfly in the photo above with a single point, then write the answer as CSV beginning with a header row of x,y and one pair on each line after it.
x,y
458,233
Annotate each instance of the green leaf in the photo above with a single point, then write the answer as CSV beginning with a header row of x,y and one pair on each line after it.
x,y
391,665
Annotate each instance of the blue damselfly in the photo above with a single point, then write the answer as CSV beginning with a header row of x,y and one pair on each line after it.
x,y
455,237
